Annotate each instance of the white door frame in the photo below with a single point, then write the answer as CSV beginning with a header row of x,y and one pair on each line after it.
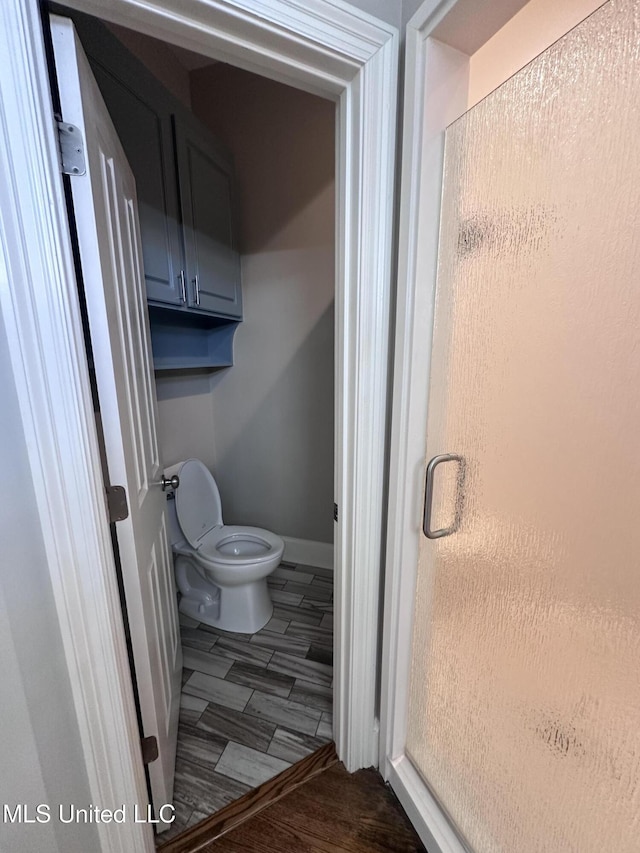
x,y
436,85
325,47
436,93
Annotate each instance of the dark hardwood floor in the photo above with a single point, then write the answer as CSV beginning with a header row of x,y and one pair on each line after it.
x,y
333,811
220,823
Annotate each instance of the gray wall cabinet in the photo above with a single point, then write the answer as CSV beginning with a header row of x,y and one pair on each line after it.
x,y
212,262
184,181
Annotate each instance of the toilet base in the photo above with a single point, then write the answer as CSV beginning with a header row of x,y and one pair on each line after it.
x,y
243,609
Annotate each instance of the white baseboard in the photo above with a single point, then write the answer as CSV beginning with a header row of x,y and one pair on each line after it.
x,y
310,553
428,819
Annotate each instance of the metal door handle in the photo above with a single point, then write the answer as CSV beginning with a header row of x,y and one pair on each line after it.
x,y
428,495
196,287
170,483
183,286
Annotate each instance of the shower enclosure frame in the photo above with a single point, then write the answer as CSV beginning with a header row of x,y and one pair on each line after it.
x,y
436,90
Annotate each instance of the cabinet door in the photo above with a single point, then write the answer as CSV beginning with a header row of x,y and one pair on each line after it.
x,y
206,193
144,128
140,109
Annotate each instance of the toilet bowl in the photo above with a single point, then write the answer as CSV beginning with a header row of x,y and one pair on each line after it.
x,y
221,570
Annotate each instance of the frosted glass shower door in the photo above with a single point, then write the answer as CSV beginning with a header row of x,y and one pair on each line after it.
x,y
524,705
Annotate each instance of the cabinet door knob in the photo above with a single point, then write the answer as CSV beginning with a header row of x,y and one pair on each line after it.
x,y
196,287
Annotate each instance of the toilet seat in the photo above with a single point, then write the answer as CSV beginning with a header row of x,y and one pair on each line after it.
x,y
199,511
198,504
235,545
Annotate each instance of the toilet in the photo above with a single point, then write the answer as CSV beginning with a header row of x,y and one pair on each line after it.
x,y
221,571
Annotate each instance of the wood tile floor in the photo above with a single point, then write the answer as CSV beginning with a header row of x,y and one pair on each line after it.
x,y
252,705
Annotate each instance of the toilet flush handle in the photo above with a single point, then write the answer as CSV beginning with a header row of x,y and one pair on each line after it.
x,y
169,483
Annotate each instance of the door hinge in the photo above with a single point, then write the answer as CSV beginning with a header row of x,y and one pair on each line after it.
x,y
117,503
149,747
335,512
71,145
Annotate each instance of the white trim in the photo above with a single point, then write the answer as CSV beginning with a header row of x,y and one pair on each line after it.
x,y
308,552
318,45
41,317
436,84
325,46
435,94
423,809
436,88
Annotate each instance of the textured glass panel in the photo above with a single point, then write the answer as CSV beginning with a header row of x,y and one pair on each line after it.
x,y
525,695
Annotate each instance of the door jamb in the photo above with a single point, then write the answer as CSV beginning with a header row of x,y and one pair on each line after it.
x,y
328,48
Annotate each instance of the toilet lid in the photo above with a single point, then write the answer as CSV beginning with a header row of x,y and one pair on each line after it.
x,y
198,504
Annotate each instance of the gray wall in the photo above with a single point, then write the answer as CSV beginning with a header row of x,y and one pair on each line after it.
x,y
395,12
185,418
265,426
40,756
273,410
159,59
387,10
409,8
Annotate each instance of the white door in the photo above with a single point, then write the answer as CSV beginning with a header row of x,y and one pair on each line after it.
x,y
105,208
520,713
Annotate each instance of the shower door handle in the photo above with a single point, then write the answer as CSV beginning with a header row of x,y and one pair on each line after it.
x,y
428,495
